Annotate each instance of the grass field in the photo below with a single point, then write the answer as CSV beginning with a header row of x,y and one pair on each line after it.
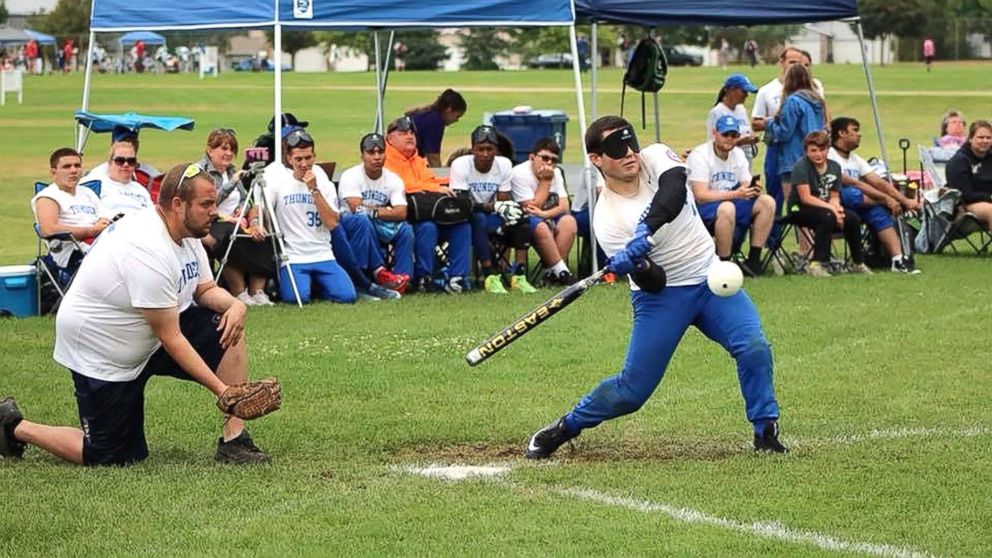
x,y
883,382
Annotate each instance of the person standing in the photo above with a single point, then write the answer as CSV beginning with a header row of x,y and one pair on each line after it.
x,y
430,121
929,50
730,102
751,51
647,214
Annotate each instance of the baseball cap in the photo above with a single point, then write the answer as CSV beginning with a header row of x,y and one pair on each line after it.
x,y
121,133
740,81
372,141
289,120
727,123
484,134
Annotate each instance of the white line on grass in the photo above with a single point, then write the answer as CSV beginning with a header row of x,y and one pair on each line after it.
x,y
769,530
894,434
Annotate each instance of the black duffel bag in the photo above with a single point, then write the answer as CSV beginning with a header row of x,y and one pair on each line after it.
x,y
438,207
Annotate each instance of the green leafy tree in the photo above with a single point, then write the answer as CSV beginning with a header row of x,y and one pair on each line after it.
x,y
4,14
483,45
70,18
294,41
423,50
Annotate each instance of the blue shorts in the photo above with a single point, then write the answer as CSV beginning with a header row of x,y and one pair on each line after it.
x,y
743,209
876,216
112,414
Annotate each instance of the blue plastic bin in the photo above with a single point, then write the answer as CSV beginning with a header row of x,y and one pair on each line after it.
x,y
525,128
19,290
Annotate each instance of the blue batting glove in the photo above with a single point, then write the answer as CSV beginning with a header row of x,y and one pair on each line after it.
x,y
623,263
640,246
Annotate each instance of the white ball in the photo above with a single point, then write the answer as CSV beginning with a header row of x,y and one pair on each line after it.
x,y
724,278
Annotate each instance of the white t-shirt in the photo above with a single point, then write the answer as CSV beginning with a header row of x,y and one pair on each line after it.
x,y
231,203
81,209
100,331
387,190
853,166
482,186
524,183
304,234
683,247
100,171
718,174
769,98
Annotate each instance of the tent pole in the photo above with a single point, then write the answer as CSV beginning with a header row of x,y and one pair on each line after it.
x,y
277,107
657,120
385,73
587,169
871,94
594,63
81,131
378,83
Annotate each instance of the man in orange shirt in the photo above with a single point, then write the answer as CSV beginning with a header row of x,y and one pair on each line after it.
x,y
402,158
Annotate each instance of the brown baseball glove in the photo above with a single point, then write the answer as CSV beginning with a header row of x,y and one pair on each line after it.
x,y
251,400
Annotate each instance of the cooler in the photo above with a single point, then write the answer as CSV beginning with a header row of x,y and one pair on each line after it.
x,y
19,290
525,127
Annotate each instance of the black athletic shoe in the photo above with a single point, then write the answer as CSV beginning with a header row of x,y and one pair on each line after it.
x,y
240,451
10,417
548,439
768,440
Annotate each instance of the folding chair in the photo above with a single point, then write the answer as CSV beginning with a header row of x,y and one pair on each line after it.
x,y
964,224
798,262
59,276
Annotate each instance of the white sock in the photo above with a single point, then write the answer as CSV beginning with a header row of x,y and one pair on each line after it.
x,y
896,259
559,267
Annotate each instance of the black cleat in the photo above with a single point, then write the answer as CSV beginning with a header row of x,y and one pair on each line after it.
x,y
768,440
547,440
240,451
10,417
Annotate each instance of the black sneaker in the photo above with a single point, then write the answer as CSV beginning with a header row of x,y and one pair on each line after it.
x,y
548,439
768,440
240,451
904,265
10,417
746,270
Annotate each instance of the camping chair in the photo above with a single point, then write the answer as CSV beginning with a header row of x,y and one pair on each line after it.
x,y
59,277
944,220
798,262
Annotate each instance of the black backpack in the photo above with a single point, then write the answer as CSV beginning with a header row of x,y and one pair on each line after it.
x,y
646,72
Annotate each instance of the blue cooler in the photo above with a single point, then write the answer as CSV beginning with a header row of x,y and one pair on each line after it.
x,y
19,290
524,128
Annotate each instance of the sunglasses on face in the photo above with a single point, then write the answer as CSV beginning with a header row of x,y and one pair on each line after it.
x,y
730,134
404,124
121,161
298,136
484,134
616,145
552,159
373,141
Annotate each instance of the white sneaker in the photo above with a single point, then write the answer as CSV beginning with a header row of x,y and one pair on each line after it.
x,y
366,296
262,299
246,298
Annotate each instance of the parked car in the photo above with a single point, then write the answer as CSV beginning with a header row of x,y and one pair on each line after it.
x,y
255,65
678,57
556,60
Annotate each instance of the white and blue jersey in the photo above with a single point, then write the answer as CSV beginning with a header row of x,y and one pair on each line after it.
x,y
385,191
482,187
306,238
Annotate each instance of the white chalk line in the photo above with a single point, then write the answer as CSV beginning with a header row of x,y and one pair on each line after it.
x,y
890,434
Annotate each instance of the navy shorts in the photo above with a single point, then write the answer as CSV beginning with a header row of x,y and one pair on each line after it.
x,y
112,414
742,212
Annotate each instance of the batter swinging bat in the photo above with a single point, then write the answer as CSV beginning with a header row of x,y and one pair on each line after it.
x,y
532,319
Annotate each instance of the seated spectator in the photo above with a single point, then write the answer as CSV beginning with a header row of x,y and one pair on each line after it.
x,y
730,101
358,251
580,211
953,132
372,190
727,196
304,202
402,158
120,192
539,187
970,171
876,201
814,203
143,172
485,177
64,207
430,121
248,257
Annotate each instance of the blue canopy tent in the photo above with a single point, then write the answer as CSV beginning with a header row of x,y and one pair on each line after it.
x,y
147,36
103,123
41,38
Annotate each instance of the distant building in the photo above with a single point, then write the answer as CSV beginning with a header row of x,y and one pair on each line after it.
x,y
20,10
837,42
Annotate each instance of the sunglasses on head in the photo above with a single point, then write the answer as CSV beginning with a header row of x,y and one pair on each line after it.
x,y
553,159
404,124
191,171
484,134
616,145
121,161
373,141
298,136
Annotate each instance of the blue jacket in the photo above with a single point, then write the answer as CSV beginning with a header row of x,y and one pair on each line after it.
x,y
800,114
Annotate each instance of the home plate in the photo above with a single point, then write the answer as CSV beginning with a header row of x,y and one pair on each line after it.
x,y
459,472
